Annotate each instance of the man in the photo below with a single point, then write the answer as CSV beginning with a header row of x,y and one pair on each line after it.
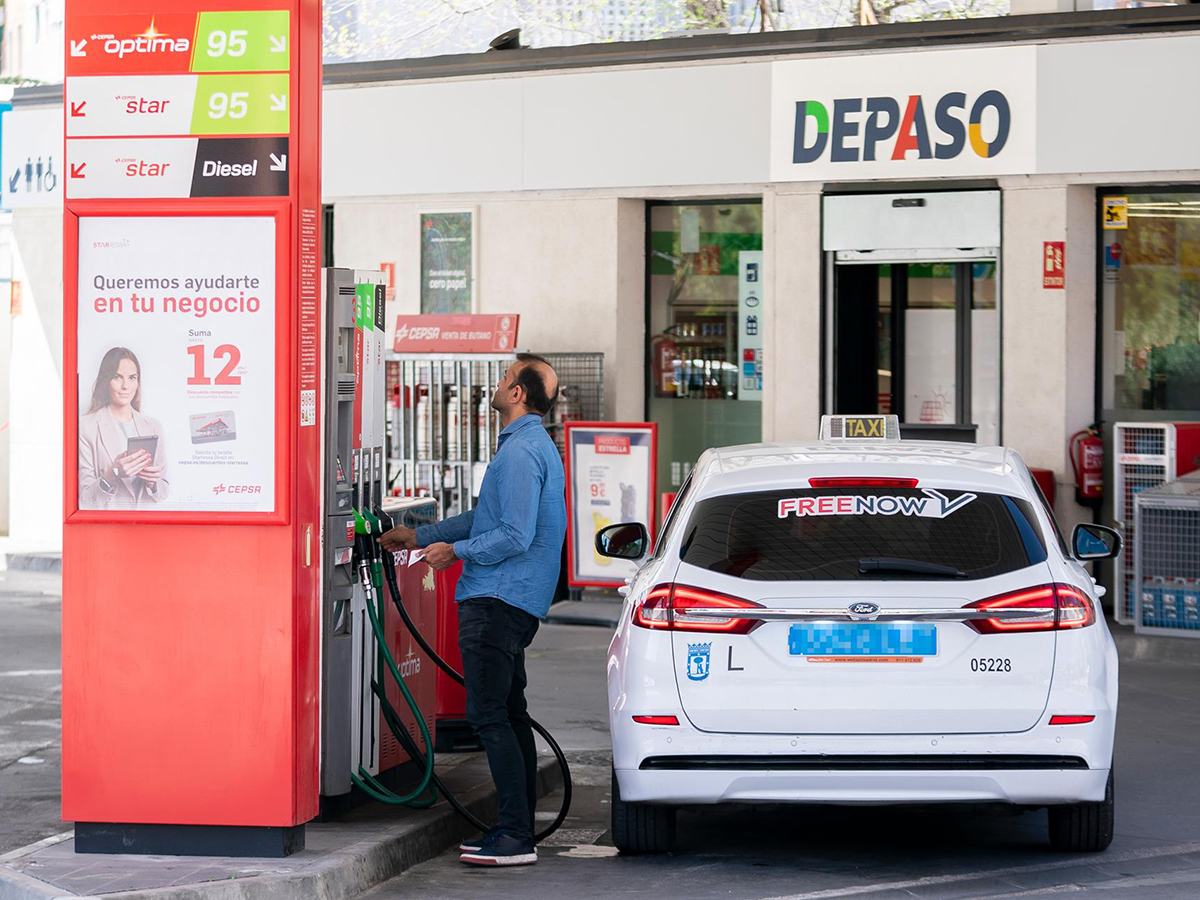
x,y
510,545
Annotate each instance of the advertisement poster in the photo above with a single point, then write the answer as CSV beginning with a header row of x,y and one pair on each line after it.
x,y
750,324
610,479
448,262
176,363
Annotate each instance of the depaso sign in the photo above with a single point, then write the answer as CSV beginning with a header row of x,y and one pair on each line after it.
x,y
885,132
904,114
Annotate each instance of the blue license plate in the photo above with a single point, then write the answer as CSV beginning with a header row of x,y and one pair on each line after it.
x,y
862,639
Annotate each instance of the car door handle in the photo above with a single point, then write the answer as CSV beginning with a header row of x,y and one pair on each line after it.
x,y
1021,614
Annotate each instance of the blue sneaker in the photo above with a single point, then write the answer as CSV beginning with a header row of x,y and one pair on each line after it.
x,y
502,849
474,844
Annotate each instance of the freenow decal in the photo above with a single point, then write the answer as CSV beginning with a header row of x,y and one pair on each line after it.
x,y
934,505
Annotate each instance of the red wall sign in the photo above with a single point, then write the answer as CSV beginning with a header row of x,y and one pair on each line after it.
x,y
456,334
191,612
1054,273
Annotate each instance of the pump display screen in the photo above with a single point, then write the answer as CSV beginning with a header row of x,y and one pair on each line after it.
x,y
176,340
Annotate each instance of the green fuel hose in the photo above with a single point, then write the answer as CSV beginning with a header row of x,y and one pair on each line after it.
x,y
375,567
389,572
425,793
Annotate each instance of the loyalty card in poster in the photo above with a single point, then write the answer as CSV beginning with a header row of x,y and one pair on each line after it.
x,y
176,363
611,480
448,262
750,325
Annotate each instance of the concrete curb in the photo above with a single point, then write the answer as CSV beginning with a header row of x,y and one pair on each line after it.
x,y
1133,647
33,562
341,875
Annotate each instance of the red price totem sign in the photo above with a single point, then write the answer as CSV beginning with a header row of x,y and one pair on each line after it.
x,y
191,267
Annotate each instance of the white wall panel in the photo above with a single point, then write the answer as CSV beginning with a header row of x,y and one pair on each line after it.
x,y
1118,105
422,138
677,126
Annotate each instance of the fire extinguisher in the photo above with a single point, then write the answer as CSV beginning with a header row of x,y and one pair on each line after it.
x,y
664,360
1087,459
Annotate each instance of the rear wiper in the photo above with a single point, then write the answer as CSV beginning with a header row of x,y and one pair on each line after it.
x,y
891,564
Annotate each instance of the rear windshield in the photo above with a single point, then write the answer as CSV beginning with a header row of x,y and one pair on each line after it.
x,y
847,533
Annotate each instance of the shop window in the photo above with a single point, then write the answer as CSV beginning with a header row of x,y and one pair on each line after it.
x,y
1151,301
705,327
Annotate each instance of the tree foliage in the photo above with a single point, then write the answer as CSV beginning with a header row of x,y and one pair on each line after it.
x,y
399,29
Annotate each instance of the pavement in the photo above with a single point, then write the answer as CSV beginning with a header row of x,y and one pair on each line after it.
x,y
30,702
37,858
754,853
340,860
873,853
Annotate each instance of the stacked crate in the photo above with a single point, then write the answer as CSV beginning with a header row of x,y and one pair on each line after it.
x,y
1166,558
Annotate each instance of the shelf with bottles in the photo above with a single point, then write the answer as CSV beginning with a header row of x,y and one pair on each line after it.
x,y
702,330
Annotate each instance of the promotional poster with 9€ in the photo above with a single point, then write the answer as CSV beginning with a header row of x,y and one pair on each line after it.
x,y
176,368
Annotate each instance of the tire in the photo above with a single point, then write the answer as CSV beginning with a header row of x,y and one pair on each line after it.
x,y
1084,827
640,828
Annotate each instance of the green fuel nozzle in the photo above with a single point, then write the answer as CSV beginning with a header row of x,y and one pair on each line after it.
x,y
366,525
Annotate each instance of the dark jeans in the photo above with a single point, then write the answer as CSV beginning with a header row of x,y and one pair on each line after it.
x,y
492,637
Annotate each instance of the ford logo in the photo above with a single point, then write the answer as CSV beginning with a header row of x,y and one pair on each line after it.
x,y
864,609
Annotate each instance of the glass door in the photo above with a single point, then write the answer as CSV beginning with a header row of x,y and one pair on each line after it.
x,y
920,340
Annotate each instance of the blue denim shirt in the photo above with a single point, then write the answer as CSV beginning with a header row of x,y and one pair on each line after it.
x,y
511,542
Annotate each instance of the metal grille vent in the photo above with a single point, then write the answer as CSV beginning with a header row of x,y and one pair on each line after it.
x,y
1167,558
1144,459
580,392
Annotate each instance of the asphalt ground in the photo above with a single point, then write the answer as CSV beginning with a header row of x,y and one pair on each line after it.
x,y
780,853
876,853
30,701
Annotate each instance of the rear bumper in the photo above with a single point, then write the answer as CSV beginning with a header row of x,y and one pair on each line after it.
x,y
1031,787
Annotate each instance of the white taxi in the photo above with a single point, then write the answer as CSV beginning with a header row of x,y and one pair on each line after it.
x,y
861,620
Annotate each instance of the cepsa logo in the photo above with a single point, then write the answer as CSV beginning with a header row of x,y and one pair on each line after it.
x,y
865,129
405,332
237,489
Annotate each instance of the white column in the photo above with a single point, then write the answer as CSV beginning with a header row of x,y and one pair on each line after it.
x,y
792,364
1049,335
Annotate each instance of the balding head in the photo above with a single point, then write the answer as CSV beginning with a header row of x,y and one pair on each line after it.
x,y
537,378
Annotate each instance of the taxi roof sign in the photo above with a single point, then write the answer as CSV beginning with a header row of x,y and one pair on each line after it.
x,y
860,428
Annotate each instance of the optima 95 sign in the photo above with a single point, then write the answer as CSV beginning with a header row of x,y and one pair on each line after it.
x,y
903,114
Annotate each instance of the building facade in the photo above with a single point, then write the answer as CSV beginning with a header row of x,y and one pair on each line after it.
x,y
991,236
989,228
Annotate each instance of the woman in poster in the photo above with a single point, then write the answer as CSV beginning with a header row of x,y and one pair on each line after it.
x,y
121,449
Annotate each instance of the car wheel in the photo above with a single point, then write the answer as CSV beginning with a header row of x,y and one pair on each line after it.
x,y
1084,827
641,827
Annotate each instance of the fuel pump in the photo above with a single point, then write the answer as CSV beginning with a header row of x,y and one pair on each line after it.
x,y
358,748
376,676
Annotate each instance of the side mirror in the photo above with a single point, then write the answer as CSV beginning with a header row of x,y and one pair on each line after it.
x,y
1095,542
629,540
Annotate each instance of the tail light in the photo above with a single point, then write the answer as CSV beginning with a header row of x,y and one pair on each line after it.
x,y
662,609
862,482
1072,609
